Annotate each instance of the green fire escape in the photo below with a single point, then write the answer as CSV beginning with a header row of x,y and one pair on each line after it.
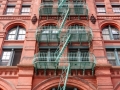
x,y
56,60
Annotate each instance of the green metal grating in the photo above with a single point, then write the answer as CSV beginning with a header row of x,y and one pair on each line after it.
x,y
78,60
52,60
78,34
50,11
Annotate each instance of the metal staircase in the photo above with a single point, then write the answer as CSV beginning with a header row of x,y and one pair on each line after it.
x,y
56,60
64,39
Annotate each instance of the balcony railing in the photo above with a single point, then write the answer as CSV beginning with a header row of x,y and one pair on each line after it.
x,y
78,60
49,11
81,34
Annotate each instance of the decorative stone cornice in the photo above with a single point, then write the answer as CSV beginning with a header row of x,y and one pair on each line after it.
x,y
115,71
103,66
108,17
74,81
8,71
23,66
15,17
69,18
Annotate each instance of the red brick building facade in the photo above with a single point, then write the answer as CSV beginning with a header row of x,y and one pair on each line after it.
x,y
29,39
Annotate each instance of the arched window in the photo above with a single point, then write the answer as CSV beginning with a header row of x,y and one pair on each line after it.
x,y
16,33
110,33
49,32
78,32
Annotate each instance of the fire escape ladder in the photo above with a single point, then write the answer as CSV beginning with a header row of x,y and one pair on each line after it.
x,y
64,39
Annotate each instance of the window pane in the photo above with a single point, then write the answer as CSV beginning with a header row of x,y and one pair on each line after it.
x,y
101,9
17,57
13,31
105,31
5,58
21,37
116,9
25,10
21,31
11,37
106,37
10,10
115,33
111,57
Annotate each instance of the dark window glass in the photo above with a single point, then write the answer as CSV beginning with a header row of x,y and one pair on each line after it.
x,y
10,10
78,55
10,57
17,56
101,9
116,8
25,9
111,57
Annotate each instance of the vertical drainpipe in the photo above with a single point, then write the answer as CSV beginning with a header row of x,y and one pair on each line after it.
x,y
110,32
116,57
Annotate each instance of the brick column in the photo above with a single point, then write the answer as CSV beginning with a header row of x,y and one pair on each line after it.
x,y
108,7
30,41
25,77
2,34
18,7
97,45
3,7
103,77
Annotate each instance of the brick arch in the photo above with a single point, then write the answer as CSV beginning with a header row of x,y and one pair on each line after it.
x,y
84,23
117,86
1,26
72,81
6,85
110,22
11,24
44,22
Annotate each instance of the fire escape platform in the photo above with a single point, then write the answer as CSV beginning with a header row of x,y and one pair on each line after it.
x,y
52,35
76,60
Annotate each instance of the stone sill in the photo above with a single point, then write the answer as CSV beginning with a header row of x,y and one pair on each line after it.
x,y
111,41
112,14
14,41
115,67
8,67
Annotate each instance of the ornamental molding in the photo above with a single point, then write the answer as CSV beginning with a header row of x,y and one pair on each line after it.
x,y
108,17
15,17
7,84
69,18
10,71
103,67
75,81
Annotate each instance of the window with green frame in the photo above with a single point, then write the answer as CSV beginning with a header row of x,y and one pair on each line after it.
x,y
78,6
16,33
47,9
47,54
110,33
49,32
113,56
10,57
78,32
78,55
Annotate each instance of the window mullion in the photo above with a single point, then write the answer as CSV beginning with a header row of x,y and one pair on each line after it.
x,y
48,55
11,58
116,57
17,32
110,32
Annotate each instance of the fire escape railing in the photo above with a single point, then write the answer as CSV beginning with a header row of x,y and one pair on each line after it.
x,y
56,60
